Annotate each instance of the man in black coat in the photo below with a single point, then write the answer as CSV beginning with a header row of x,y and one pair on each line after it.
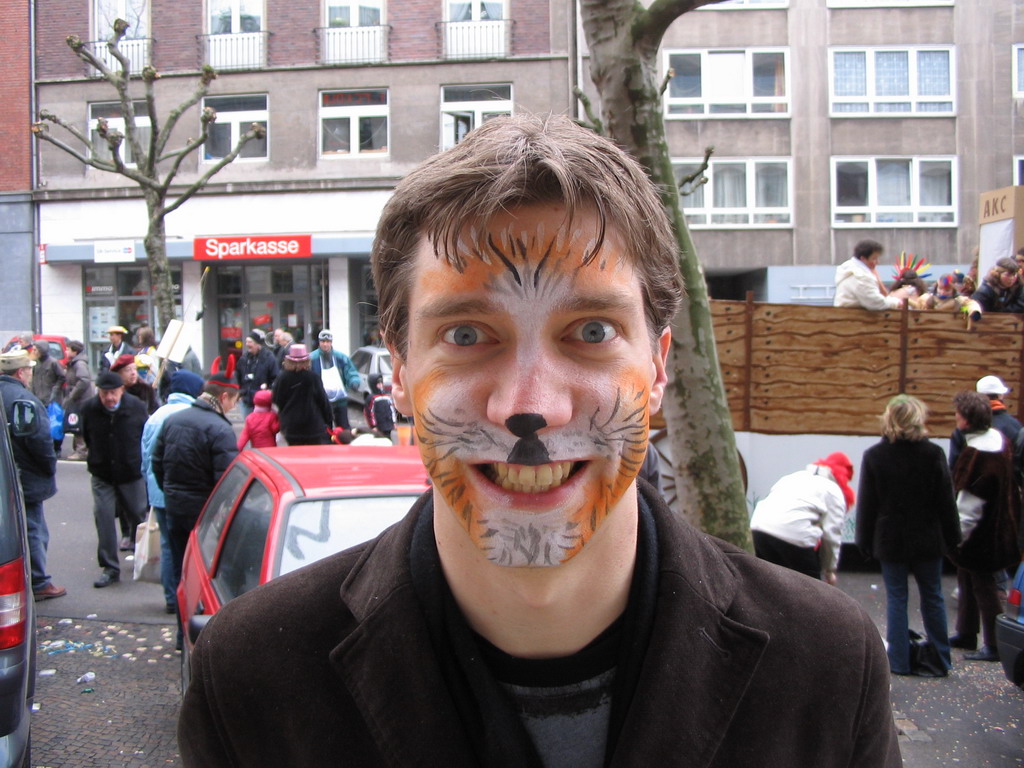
x,y
112,424
35,458
256,370
194,448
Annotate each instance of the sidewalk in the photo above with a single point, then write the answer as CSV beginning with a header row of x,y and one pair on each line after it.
x,y
973,718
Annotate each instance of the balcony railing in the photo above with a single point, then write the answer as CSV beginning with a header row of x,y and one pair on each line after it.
x,y
136,50
475,39
243,50
353,45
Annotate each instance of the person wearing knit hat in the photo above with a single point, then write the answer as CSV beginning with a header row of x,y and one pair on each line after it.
x,y
262,425
799,523
1001,290
184,389
907,519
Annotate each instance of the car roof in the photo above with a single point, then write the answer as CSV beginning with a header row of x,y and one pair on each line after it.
x,y
355,470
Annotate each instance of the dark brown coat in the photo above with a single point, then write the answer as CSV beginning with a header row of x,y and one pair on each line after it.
x,y
748,665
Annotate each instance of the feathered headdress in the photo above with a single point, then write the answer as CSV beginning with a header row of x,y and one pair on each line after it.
x,y
908,261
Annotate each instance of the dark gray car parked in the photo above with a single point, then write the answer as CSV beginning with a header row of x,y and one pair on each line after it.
x,y
17,615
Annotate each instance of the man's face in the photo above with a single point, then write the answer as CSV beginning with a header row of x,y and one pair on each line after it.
x,y
532,378
24,375
326,345
115,340
228,401
129,375
111,397
251,346
1007,279
872,260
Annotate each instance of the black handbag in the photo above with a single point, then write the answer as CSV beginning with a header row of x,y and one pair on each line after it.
x,y
924,657
72,422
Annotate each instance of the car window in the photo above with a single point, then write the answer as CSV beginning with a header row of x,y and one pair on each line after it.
x,y
218,509
10,498
385,362
361,360
56,350
315,528
238,569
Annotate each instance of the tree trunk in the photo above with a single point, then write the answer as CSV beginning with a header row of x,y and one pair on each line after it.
x,y
706,465
159,269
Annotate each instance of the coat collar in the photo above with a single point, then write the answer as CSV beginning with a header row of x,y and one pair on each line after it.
x,y
699,661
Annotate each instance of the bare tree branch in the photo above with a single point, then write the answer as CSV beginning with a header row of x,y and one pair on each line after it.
x,y
697,176
39,129
652,23
667,79
207,77
256,132
593,122
209,116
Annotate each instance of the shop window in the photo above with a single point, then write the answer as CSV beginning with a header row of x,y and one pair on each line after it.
x,y
235,116
894,191
464,107
727,83
353,123
880,82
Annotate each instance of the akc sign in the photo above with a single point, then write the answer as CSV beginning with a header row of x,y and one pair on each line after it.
x,y
252,247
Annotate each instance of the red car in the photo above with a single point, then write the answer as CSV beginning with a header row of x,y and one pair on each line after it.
x,y
278,509
58,346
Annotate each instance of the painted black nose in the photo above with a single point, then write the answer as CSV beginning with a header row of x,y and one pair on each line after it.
x,y
525,424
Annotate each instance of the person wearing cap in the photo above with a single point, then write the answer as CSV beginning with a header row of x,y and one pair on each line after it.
x,y
301,401
185,388
994,389
336,372
193,449
112,424
118,346
858,283
1001,290
80,388
799,524
256,369
32,445
125,367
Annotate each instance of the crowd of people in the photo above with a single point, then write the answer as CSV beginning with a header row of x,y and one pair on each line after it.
x,y
858,284
156,434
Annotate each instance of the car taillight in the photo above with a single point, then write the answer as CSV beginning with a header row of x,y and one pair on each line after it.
x,y
1013,604
13,611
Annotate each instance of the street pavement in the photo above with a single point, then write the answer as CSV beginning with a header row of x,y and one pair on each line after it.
x,y
126,715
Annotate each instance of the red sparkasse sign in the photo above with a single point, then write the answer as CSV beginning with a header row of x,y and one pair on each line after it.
x,y
225,247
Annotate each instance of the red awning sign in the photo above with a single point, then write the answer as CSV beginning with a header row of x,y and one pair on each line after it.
x,y
252,247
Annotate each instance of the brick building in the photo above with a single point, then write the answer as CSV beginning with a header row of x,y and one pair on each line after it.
x,y
833,120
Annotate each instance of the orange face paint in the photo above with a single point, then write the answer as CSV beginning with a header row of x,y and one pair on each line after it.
x,y
532,375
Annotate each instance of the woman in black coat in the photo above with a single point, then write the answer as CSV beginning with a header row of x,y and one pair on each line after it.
x,y
907,519
302,405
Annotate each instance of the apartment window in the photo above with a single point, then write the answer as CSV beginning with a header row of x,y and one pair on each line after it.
x,y
464,107
475,29
237,39
738,193
727,83
885,3
1018,170
353,33
892,81
235,115
353,123
111,111
233,17
894,190
135,43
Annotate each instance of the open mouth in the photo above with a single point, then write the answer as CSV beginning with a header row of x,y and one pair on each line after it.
x,y
530,479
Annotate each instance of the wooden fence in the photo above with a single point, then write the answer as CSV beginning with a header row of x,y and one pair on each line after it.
x,y
791,369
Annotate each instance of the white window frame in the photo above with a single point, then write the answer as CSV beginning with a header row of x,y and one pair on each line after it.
x,y
141,121
1015,67
885,3
477,110
240,121
744,5
129,10
757,217
872,214
748,100
236,19
354,7
872,101
354,114
476,9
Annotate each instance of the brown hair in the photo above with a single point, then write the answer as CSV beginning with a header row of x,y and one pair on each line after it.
x,y
975,408
522,160
904,419
296,365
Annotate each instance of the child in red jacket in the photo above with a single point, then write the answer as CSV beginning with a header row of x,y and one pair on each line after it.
x,y
261,426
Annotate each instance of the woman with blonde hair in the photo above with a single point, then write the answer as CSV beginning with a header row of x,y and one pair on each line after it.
x,y
907,519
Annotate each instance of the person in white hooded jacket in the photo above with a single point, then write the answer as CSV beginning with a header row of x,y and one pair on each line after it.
x,y
858,284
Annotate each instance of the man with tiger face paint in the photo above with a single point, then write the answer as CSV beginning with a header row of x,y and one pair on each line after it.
x,y
540,606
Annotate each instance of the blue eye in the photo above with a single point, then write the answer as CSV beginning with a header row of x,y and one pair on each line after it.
x,y
595,331
462,335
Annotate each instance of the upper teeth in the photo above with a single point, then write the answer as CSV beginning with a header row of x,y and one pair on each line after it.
x,y
514,477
